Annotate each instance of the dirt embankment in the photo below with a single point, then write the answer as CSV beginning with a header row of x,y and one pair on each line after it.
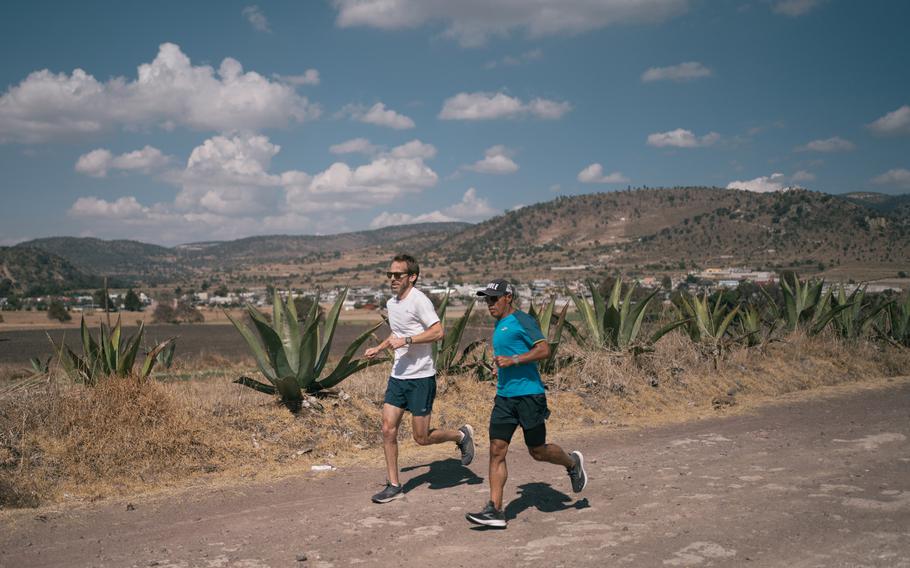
x,y
62,442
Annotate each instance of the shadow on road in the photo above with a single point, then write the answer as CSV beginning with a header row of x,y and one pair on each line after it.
x,y
441,475
544,498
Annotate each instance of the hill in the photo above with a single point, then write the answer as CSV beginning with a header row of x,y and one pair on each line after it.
x,y
33,272
681,228
279,248
637,232
122,259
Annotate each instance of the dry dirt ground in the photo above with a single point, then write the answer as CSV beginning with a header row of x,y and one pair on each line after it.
x,y
817,479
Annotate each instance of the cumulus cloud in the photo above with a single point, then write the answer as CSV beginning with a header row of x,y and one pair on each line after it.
x,y
472,23
490,106
515,60
898,177
497,160
470,208
227,190
795,8
688,71
379,115
681,138
98,162
834,144
256,18
595,174
414,149
354,146
764,184
893,123
123,208
309,77
168,92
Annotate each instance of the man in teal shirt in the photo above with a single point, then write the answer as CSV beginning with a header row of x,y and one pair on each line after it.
x,y
520,399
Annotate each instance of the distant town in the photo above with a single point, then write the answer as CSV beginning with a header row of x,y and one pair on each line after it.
x,y
368,298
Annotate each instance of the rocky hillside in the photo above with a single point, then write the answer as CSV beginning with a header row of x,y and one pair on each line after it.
x,y
34,272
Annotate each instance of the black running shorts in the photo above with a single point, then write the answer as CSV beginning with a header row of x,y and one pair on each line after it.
x,y
529,411
414,395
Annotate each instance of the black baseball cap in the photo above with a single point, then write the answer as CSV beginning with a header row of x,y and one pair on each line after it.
x,y
496,288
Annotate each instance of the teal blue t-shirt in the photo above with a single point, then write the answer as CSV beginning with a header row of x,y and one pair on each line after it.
x,y
516,334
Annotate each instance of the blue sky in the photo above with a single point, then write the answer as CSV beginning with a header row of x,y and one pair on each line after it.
x,y
173,122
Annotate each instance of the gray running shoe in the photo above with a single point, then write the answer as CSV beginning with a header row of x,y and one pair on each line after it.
x,y
577,472
489,517
466,445
390,493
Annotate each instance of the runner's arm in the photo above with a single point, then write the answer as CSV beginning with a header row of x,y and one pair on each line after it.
x,y
539,352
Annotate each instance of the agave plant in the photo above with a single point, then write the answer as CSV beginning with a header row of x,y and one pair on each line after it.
x,y
755,330
895,328
111,355
615,322
853,316
806,305
544,321
446,355
292,355
706,323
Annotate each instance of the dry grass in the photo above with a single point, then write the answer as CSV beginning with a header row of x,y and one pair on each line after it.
x,y
63,441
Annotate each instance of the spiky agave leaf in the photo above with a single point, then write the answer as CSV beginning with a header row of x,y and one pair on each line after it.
x,y
347,365
331,323
452,339
262,359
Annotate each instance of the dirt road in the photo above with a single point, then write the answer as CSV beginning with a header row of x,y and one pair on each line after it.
x,y
822,481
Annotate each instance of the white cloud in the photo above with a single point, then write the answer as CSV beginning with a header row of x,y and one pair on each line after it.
x,y
472,23
898,177
414,149
470,208
764,184
354,146
489,106
309,77
167,92
595,174
388,177
123,208
379,115
98,162
802,175
497,160
834,144
256,18
681,138
687,71
895,122
229,176
795,8
514,61
227,191
386,219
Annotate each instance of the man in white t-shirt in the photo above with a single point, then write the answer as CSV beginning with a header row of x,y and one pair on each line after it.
x,y
412,384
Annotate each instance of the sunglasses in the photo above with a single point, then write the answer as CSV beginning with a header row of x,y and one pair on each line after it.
x,y
490,300
396,275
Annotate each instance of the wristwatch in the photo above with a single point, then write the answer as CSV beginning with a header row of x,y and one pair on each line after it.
x,y
408,340
515,360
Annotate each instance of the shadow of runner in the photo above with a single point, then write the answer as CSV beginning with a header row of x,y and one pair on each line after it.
x,y
544,498
441,475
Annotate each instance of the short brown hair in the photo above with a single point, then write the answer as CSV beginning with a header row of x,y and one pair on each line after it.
x,y
413,267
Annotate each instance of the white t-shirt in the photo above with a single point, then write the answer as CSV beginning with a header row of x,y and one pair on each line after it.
x,y
407,318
